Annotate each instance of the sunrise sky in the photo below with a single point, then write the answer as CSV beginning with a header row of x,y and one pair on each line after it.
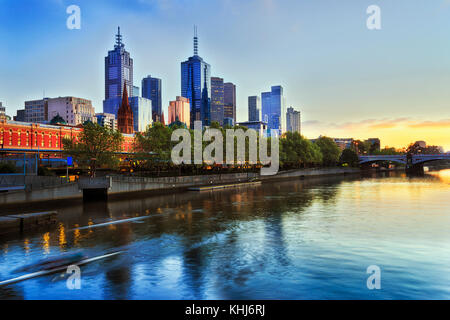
x,y
346,80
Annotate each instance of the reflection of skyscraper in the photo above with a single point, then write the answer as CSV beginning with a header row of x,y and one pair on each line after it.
x,y
293,123
195,85
217,100
229,108
274,109
254,108
118,75
151,89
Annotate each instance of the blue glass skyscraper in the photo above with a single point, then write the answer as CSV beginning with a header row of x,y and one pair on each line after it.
x,y
151,89
274,109
118,72
195,85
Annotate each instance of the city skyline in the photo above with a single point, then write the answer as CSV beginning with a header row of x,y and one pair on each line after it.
x,y
391,83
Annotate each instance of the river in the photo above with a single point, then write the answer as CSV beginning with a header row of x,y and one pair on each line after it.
x,y
298,239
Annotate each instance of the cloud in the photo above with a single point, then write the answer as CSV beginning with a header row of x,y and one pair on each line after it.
x,y
444,123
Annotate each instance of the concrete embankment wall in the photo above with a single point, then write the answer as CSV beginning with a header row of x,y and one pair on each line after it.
x,y
123,185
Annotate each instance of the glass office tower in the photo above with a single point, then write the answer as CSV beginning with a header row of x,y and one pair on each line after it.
x,y
229,108
254,108
151,89
195,85
217,100
274,109
118,72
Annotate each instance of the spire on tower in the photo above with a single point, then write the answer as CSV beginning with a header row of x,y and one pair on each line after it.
x,y
119,43
195,41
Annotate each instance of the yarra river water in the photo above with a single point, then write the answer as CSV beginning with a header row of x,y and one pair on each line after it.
x,y
301,239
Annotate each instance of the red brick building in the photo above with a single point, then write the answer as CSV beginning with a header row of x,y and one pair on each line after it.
x,y
42,138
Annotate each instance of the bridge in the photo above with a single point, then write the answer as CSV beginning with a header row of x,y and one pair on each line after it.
x,y
411,161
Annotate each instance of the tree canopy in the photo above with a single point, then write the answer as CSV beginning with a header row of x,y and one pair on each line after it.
x,y
96,146
330,151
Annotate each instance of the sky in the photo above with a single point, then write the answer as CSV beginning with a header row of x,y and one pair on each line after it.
x,y
347,80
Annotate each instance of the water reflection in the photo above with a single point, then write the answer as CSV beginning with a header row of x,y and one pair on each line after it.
x,y
278,240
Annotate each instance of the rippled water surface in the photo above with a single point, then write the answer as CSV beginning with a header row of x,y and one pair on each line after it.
x,y
304,239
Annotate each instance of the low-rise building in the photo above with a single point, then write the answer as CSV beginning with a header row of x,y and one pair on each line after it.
x,y
107,120
73,110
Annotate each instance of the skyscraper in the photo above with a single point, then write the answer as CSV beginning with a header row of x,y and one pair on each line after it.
x,y
118,75
229,108
293,120
151,89
195,85
274,109
142,113
254,108
217,100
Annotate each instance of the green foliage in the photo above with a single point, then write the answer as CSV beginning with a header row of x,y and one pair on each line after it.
x,y
44,171
330,151
388,152
296,151
415,148
8,167
97,146
349,157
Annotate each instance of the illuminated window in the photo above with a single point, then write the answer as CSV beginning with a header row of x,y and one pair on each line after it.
x,y
56,143
42,140
35,138
10,137
1,137
50,140
28,138
19,138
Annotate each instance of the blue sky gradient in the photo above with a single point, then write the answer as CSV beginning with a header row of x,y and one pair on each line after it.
x,y
347,80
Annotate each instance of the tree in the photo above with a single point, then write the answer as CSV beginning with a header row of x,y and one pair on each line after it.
x,y
330,151
388,151
349,157
417,148
361,147
296,151
96,146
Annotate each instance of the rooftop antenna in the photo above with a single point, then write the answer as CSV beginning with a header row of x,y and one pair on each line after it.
x,y
195,41
119,43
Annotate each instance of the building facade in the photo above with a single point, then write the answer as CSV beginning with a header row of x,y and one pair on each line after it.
x,y
179,111
229,108
2,111
195,85
142,113
118,75
42,138
20,115
293,120
151,89
217,100
73,110
254,108
107,120
274,109
259,126
36,111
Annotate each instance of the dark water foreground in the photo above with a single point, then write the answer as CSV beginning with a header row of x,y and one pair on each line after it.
x,y
303,239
